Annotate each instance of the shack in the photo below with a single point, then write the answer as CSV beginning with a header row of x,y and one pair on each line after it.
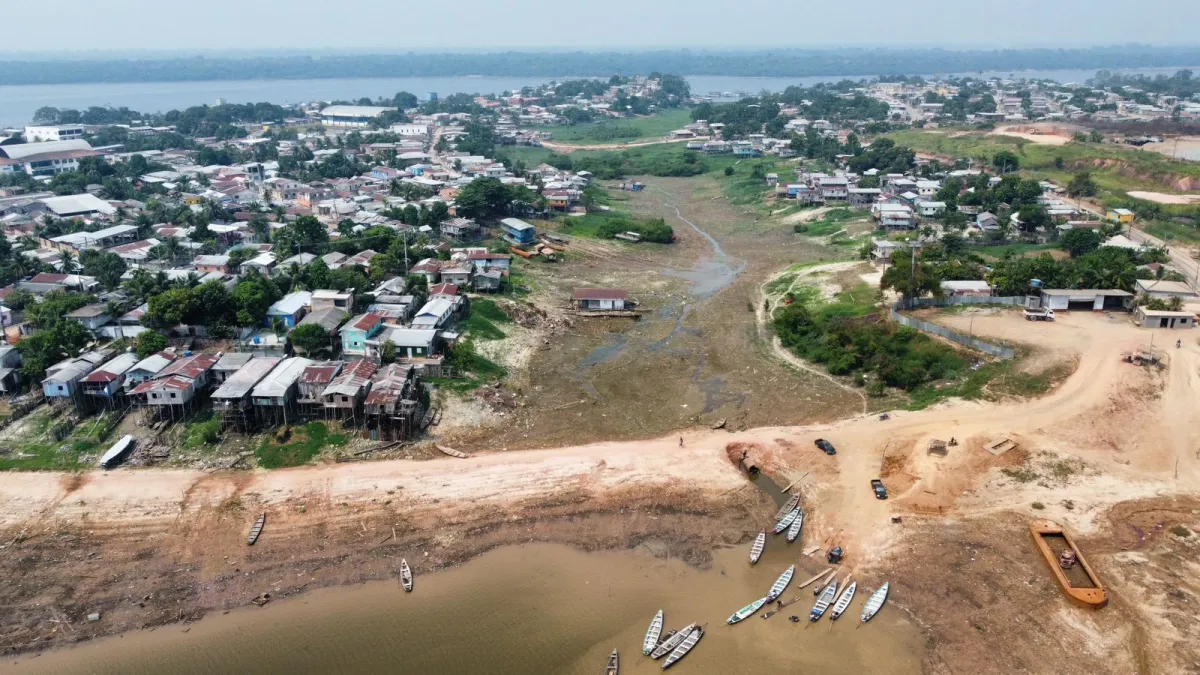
x,y
147,368
600,299
312,383
229,364
274,398
1157,318
178,387
105,383
62,379
1093,299
343,398
393,408
10,373
232,399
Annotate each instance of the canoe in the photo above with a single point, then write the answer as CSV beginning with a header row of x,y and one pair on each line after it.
x,y
668,645
787,507
451,452
843,601
746,612
256,529
874,603
613,664
652,634
781,583
820,576
756,550
684,647
1078,581
667,637
823,602
794,531
406,576
787,520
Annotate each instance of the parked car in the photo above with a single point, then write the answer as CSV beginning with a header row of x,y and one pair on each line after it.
x,y
826,447
880,490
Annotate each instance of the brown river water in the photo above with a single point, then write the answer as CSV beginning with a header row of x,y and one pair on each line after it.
x,y
520,610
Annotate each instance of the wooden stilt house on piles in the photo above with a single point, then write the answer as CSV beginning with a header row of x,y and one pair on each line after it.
x,y
178,388
393,408
312,383
275,397
343,398
232,399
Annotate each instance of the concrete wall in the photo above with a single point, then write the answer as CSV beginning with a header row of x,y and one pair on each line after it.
x,y
954,336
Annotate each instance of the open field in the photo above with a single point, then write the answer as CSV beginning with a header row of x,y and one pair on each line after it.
x,y
613,132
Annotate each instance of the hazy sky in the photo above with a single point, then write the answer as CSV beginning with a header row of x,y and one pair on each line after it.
x,y
462,25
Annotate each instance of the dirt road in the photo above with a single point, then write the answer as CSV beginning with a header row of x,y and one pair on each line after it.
x,y
567,148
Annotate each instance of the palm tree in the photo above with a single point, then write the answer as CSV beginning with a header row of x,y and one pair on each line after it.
x,y
67,262
171,246
278,327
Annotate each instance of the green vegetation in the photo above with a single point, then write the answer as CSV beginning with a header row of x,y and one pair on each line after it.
x,y
990,382
1180,531
830,223
608,224
36,450
1015,250
621,130
307,443
205,430
485,314
1173,230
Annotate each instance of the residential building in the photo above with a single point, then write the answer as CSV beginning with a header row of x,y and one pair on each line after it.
x,y
147,368
212,263
460,229
177,387
490,261
411,343
229,364
457,275
930,209
894,216
106,381
979,289
91,316
358,330
274,398
100,239
10,369
987,222
44,159
289,309
517,231
232,398
434,314
1165,290
53,132
344,396
328,299
312,384
1157,318
599,299
1122,216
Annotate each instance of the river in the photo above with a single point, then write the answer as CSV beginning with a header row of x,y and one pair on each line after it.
x,y
523,610
18,103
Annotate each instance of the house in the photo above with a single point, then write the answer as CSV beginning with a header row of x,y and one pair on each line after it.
x,y
91,316
460,229
274,398
1157,318
517,231
137,253
987,222
327,299
312,383
100,239
894,216
232,398
1122,216
206,264
447,289
83,205
393,408
44,282
434,314
229,364
457,275
429,268
345,394
411,343
44,159
487,281
106,381
599,299
289,309
179,384
334,259
298,260
358,330
361,259
263,263
490,261
834,188
10,369
62,379
1092,299
930,209
977,289
147,368
1164,290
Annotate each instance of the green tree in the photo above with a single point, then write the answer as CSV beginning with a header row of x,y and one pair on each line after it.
x,y
150,342
387,352
909,282
47,347
1005,161
311,338
170,308
1079,241
1081,185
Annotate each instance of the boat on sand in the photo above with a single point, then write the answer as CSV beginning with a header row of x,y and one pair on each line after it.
x,y
874,603
843,601
756,550
652,634
823,602
406,576
684,647
613,664
794,531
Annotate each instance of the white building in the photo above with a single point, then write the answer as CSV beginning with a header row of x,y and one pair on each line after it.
x,y
352,115
56,132
44,159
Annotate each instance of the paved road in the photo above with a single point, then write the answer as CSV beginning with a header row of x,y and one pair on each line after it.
x,y
1181,258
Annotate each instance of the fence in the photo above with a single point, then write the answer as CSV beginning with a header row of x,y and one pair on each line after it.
x,y
954,336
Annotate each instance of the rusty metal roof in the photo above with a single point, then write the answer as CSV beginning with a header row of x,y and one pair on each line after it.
x,y
190,366
321,373
354,377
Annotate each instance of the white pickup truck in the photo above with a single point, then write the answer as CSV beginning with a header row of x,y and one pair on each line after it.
x,y
1039,314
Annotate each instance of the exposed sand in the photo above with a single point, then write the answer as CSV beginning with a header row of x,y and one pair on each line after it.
x,y
1045,135
1164,198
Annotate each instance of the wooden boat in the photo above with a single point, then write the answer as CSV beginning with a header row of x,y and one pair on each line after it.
x,y
787,507
823,602
1077,579
794,531
451,452
652,634
746,612
874,603
781,583
406,576
684,647
756,551
819,576
256,529
843,601
671,642
787,520
614,663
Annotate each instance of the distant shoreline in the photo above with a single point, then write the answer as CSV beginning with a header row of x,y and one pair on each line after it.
x,y
856,62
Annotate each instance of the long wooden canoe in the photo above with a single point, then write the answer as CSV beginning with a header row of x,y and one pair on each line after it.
x,y
794,531
746,612
684,647
451,452
1080,582
256,529
824,601
652,634
614,663
874,603
787,507
671,642
843,601
406,576
756,550
781,584
787,521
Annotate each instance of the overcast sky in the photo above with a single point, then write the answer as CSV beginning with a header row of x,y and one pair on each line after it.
x,y
469,25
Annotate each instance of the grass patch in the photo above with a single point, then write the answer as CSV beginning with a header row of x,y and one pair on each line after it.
x,y
480,328
1021,474
307,443
1180,531
1038,506
622,130
1016,250
1169,230
832,222
36,450
608,224
780,284
204,431
991,381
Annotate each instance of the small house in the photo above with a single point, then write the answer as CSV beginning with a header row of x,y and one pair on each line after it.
x,y
147,368
274,398
10,369
93,316
1157,318
358,330
490,261
212,263
289,309
312,383
106,381
459,275
599,299
977,289
487,281
229,364
1122,216
434,314
344,396
987,222
327,299
517,231
232,398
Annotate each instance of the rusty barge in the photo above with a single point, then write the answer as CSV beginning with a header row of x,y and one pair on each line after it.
x,y
1068,565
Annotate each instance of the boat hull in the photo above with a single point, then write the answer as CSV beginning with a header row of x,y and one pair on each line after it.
x,y
1094,597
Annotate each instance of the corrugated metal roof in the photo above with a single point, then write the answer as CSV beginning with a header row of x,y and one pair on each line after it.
x,y
155,362
113,369
240,383
190,366
233,361
284,376
600,294
321,372
354,377
365,321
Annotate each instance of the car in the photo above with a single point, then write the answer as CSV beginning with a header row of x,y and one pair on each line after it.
x,y
826,447
880,490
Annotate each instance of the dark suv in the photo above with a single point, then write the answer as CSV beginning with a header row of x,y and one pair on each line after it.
x,y
826,447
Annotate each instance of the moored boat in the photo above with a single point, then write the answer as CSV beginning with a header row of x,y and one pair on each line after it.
x,y
824,601
684,647
1070,569
256,529
746,612
787,507
843,601
669,644
756,550
874,603
652,634
787,521
451,452
614,663
781,583
406,576
794,531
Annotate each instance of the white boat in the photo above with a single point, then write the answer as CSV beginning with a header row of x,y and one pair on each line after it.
x,y
794,531
781,583
746,612
652,634
684,647
756,550
787,520
874,603
672,642
787,507
406,576
118,450
843,601
824,601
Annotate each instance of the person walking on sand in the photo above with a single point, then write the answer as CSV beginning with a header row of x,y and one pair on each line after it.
x,y
681,441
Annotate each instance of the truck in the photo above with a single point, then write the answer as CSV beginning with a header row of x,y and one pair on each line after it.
x,y
1039,314
880,490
